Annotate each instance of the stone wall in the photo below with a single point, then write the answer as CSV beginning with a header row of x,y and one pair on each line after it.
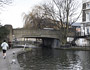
x,y
10,28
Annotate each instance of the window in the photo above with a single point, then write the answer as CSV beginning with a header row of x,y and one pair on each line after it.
x,y
88,5
88,17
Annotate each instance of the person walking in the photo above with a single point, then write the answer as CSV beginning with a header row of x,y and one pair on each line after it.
x,y
4,46
9,43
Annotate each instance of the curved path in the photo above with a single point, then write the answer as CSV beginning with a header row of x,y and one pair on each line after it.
x,y
8,64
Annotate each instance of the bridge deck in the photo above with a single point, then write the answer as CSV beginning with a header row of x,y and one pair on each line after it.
x,y
36,33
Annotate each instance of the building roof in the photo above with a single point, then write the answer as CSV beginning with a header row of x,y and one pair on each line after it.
x,y
76,24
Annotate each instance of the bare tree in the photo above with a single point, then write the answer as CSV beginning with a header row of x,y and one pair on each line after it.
x,y
63,11
60,13
67,11
33,19
5,2
39,18
50,11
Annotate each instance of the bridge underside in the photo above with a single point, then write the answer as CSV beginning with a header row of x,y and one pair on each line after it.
x,y
54,43
41,36
48,42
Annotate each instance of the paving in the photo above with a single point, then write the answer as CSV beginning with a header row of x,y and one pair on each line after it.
x,y
11,62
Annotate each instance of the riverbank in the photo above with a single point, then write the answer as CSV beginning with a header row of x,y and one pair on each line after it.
x,y
84,48
8,64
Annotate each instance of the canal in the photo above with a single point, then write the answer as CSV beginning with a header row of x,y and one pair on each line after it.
x,y
54,59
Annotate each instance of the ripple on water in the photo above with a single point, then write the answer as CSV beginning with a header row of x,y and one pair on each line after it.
x,y
50,59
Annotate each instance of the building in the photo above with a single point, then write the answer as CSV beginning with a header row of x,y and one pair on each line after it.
x,y
85,26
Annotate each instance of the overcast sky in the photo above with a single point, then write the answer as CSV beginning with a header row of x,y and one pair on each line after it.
x,y
13,14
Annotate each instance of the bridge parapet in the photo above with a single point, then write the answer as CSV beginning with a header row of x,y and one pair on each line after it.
x,y
44,34
36,33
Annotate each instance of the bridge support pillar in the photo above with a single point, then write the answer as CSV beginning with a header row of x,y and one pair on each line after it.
x,y
56,43
53,43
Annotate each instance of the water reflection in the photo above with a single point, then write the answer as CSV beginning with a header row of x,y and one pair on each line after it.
x,y
51,59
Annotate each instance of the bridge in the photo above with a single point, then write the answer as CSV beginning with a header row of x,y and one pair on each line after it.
x,y
49,37
27,33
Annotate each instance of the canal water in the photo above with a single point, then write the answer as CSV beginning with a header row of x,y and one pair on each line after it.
x,y
53,59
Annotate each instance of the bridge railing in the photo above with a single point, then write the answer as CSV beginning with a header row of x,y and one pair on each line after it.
x,y
19,33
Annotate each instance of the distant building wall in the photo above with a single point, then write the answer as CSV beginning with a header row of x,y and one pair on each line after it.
x,y
85,27
82,42
10,28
